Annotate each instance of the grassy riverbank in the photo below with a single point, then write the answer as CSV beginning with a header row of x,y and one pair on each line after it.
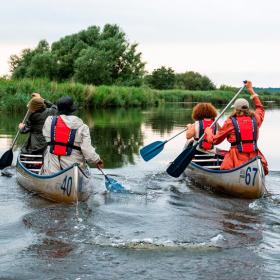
x,y
214,96
14,94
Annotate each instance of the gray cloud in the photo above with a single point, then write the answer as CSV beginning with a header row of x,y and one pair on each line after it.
x,y
187,30
148,21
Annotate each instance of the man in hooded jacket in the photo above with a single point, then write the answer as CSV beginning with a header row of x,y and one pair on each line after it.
x,y
68,140
39,110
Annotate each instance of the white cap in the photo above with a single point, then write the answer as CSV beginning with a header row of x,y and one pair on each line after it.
x,y
240,104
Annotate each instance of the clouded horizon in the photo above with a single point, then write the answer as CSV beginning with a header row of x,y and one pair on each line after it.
x,y
227,41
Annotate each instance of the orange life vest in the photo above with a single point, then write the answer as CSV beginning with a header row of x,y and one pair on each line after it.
x,y
202,125
246,132
62,138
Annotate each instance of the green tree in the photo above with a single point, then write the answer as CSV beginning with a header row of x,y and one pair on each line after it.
x,y
91,67
66,51
162,78
33,63
111,60
90,56
193,81
42,65
228,88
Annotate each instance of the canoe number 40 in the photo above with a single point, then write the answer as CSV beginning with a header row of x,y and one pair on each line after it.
x,y
67,185
250,175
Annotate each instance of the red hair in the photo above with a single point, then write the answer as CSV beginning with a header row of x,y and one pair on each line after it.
x,y
204,111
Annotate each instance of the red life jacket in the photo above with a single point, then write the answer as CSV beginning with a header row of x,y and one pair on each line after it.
x,y
62,138
202,125
246,132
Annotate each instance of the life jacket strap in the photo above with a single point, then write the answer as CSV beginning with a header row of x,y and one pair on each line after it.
x,y
53,125
244,141
71,146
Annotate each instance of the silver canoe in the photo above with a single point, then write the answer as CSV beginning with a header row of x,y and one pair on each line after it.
x,y
69,185
245,181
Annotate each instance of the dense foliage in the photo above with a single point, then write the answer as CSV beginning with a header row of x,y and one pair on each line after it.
x,y
166,78
161,78
99,57
92,56
193,81
15,94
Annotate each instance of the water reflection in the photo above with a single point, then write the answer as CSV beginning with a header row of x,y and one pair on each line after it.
x,y
164,118
118,134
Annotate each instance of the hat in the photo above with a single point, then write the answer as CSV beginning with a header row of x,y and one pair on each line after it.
x,y
36,104
240,104
65,105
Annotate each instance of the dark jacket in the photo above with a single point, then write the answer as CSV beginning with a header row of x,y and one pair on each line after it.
x,y
36,142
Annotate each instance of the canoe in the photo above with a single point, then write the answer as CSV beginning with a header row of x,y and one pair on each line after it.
x,y
68,186
245,181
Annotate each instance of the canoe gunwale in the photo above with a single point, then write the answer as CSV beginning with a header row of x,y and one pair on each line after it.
x,y
230,182
69,185
51,175
224,170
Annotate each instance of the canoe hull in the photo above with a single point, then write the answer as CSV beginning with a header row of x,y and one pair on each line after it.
x,y
67,186
246,181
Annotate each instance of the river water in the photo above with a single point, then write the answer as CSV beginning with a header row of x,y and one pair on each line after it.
x,y
167,230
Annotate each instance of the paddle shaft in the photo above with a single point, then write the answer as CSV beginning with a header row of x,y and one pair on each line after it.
x,y
200,139
175,135
107,178
221,114
24,119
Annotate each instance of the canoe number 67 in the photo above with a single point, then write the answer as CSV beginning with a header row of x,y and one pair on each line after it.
x,y
67,185
250,175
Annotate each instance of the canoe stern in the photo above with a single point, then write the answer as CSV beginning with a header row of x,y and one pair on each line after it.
x,y
246,181
68,186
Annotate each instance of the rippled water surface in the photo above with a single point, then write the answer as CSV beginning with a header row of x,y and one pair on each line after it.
x,y
168,229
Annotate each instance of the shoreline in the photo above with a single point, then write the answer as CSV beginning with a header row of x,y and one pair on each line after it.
x,y
14,94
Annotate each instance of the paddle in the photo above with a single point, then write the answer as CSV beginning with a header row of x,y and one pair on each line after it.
x,y
153,149
7,157
177,167
112,185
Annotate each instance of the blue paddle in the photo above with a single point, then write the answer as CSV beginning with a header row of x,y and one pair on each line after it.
x,y
112,185
177,167
153,149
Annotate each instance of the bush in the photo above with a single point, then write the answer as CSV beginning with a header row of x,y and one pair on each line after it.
x,y
161,78
193,81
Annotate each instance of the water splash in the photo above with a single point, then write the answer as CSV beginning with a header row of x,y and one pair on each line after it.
x,y
214,243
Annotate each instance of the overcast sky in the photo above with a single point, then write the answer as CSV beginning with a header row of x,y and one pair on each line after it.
x,y
229,41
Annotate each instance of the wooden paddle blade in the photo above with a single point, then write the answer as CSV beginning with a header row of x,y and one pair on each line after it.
x,y
6,159
114,186
151,150
177,167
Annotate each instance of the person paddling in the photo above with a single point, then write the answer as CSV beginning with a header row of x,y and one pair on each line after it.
x,y
204,115
242,131
39,109
68,140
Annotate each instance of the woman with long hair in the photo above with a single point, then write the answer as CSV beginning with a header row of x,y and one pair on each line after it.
x,y
242,131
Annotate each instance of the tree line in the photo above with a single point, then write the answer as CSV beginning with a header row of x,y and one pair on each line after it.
x,y
99,57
